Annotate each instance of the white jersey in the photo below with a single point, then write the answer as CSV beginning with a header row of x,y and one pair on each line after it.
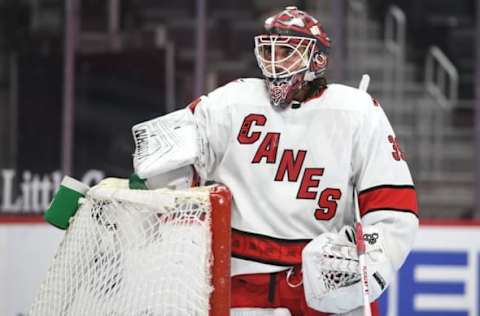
x,y
293,172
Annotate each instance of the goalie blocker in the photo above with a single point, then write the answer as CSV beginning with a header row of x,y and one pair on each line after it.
x,y
165,149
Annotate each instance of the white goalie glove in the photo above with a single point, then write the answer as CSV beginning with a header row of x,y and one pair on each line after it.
x,y
331,273
165,149
165,143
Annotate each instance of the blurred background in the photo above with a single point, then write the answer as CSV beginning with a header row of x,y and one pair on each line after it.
x,y
75,75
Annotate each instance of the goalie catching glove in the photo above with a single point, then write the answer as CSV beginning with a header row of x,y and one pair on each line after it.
x,y
331,275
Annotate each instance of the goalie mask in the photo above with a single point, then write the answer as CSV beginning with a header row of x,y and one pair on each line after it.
x,y
292,53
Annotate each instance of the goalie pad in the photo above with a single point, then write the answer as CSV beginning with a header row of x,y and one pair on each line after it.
x,y
331,274
165,143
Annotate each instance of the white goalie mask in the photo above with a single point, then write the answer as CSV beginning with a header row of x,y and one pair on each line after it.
x,y
283,56
291,53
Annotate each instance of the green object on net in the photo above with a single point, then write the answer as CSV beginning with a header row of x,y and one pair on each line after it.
x,y
136,183
65,202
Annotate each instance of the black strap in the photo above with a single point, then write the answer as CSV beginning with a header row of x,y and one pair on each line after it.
x,y
271,287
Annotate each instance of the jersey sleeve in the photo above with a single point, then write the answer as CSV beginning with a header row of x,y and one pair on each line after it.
x,y
213,119
379,159
386,193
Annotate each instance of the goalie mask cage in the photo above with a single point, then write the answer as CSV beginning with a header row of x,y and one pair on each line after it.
x,y
142,253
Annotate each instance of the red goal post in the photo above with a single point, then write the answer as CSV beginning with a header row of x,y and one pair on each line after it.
x,y
221,201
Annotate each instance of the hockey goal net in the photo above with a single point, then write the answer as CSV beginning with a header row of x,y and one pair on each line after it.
x,y
139,252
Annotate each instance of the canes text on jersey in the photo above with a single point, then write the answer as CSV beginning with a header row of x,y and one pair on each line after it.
x,y
290,164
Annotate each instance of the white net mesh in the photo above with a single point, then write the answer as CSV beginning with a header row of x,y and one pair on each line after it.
x,y
131,252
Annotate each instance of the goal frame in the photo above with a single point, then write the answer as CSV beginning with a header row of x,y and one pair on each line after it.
x,y
220,299
117,244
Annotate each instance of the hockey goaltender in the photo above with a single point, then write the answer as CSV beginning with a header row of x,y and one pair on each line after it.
x,y
297,153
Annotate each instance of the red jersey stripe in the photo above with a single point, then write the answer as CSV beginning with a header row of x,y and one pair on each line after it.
x,y
388,197
266,249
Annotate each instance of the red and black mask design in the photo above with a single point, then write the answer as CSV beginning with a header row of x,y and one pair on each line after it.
x,y
282,91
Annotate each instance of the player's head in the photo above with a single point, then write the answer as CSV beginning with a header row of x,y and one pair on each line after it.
x,y
292,52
